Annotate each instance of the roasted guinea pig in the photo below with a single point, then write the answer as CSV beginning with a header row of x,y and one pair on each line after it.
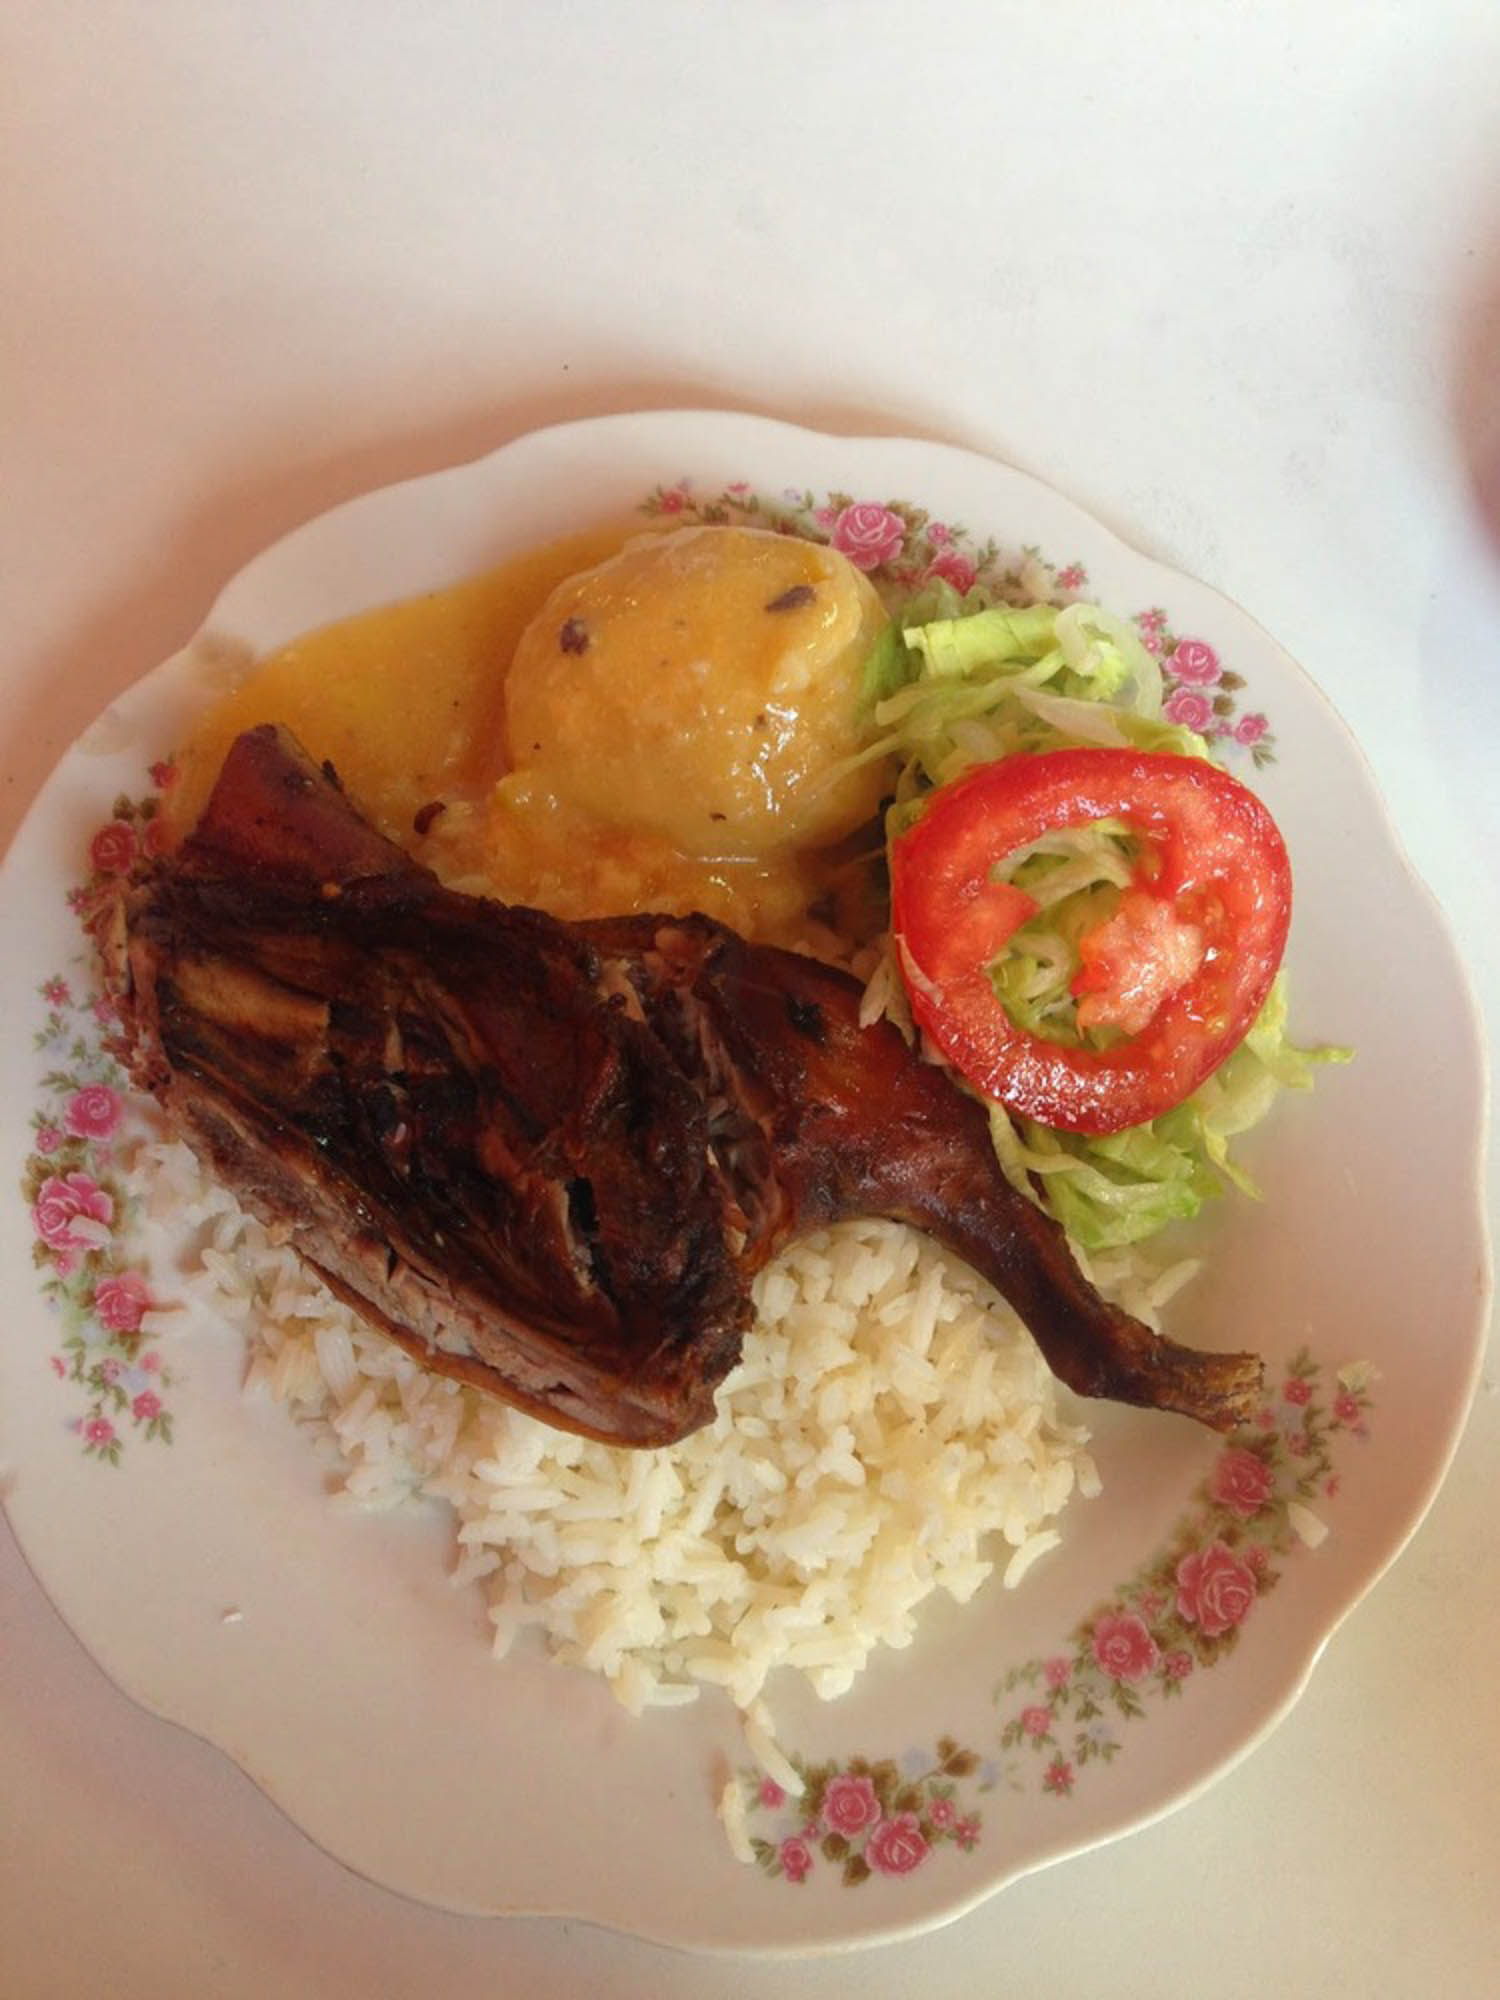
x,y
549,1158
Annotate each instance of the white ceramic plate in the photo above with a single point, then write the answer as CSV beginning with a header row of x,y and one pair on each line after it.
x,y
183,1531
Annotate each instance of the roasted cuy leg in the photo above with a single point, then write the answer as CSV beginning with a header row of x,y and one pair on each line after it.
x,y
549,1158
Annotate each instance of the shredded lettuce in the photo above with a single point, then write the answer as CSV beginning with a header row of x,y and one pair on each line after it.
x,y
947,691
955,683
1107,1192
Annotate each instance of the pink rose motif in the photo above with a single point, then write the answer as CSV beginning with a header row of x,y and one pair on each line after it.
x,y
1346,1408
1250,729
825,516
93,1112
673,500
99,1430
57,1367
942,1812
1178,1665
849,1805
1332,1487
55,992
119,1302
113,848
939,534
897,1845
1242,1482
1257,1558
1036,1721
1189,709
771,1793
1123,1647
954,569
1074,577
1299,1444
151,1363
1298,1390
796,1858
154,838
1194,663
65,1202
163,774
146,1406
1056,1672
109,1370
48,1139
1058,1777
1153,620
868,534
104,1011
966,1833
1214,1589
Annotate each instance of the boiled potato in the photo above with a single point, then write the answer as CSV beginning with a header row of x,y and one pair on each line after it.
x,y
703,686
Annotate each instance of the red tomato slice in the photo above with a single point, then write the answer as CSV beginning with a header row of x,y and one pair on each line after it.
x,y
1181,969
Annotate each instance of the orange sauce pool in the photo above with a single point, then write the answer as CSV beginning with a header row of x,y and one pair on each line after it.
x,y
407,701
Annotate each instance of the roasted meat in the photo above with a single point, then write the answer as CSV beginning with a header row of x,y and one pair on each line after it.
x,y
548,1158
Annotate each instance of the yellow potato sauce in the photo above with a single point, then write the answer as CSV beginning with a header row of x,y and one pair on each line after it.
x,y
613,722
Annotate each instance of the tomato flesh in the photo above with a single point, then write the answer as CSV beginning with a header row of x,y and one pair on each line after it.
x,y
1132,962
1181,969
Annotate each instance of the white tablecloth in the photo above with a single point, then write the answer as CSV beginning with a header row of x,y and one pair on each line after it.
x,y
1214,270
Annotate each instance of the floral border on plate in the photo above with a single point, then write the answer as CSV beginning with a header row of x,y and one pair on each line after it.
x,y
1182,1613
85,1214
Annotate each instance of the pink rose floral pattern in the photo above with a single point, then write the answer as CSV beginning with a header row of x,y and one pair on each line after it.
x,y
1201,690
868,534
901,547
1185,1610
864,1819
83,1214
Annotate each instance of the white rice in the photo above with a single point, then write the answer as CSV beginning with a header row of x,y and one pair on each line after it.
x,y
891,1431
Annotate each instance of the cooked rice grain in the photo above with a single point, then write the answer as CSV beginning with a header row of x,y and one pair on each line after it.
x,y
890,1431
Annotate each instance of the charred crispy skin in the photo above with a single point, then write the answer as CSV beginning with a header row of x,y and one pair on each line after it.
x,y
549,1158
428,1092
853,1123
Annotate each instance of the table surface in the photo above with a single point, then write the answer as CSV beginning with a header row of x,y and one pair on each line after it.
x,y
1223,275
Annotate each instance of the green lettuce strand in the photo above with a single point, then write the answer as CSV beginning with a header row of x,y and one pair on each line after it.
x,y
889,665
937,599
1267,1040
953,647
1107,656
